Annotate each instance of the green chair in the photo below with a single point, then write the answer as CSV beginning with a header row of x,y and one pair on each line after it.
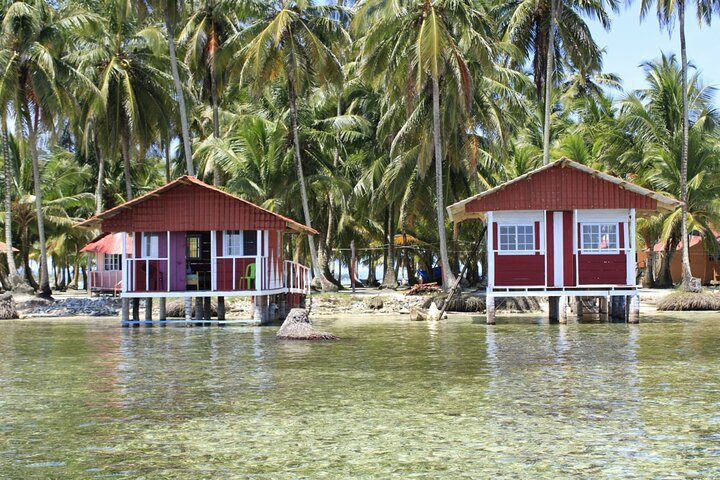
x,y
249,275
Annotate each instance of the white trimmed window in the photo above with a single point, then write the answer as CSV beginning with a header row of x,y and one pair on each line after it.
x,y
240,243
151,245
112,262
599,238
516,238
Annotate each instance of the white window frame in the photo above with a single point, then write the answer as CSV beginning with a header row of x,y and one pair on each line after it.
x,y
599,251
226,243
143,245
115,264
501,251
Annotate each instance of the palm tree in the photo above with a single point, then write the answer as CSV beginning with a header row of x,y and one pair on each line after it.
x,y
426,42
546,29
293,39
128,63
7,170
666,11
36,78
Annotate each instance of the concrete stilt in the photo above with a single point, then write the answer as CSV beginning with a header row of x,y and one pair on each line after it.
x,y
221,308
553,310
618,311
283,307
603,305
207,309
188,309
162,309
634,309
199,310
125,311
562,309
579,307
148,309
260,307
490,310
136,310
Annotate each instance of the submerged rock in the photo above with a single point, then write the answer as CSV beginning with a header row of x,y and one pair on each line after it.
x,y
297,326
7,307
431,314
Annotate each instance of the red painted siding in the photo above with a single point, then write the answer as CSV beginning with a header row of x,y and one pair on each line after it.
x,y
519,270
601,269
550,252
191,207
561,188
568,256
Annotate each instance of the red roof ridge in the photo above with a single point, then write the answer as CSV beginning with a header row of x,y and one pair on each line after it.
x,y
185,180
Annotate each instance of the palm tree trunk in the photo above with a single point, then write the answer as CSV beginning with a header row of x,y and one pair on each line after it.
x,y
548,84
180,95
217,172
25,253
125,147
686,272
101,175
168,159
445,263
12,268
45,290
301,177
389,277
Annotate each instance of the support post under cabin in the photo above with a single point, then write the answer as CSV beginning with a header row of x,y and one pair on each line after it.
x,y
207,309
221,308
260,310
578,307
162,309
125,311
490,310
199,311
603,305
188,309
553,310
136,310
562,308
634,308
148,309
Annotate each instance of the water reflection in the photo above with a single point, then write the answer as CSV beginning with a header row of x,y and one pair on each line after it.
x,y
393,399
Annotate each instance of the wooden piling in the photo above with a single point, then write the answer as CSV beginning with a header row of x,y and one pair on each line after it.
x,y
188,309
199,311
578,307
553,311
136,311
221,308
207,310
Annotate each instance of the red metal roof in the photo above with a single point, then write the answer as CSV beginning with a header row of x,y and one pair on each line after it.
x,y
188,204
107,243
561,185
3,248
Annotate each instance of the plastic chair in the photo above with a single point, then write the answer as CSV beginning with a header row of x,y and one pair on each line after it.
x,y
249,275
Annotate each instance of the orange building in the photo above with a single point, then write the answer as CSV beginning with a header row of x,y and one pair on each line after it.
x,y
704,264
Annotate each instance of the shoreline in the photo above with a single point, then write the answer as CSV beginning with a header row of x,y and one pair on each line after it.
x,y
365,301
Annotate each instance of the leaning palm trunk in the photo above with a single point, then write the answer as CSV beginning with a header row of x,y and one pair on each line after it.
x,y
301,176
45,290
101,175
181,96
686,272
548,84
448,277
12,268
389,277
125,147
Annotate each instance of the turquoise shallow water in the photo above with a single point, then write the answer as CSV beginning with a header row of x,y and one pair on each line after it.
x,y
392,399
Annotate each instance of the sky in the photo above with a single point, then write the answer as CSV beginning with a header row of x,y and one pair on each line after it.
x,y
631,42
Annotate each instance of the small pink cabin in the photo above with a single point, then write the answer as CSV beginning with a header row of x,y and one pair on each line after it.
x,y
190,239
562,229
105,275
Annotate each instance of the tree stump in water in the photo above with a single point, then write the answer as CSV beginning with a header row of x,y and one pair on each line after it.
x,y
7,307
297,326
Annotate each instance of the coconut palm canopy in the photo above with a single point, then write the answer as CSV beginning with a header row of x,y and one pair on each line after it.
x,y
365,119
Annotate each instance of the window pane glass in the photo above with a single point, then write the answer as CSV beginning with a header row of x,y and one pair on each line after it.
x,y
193,247
152,242
233,243
250,242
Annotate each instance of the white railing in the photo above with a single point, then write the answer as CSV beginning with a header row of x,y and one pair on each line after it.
x,y
159,279
108,280
297,277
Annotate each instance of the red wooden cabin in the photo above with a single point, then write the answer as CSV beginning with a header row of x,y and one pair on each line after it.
x,y
562,229
190,239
